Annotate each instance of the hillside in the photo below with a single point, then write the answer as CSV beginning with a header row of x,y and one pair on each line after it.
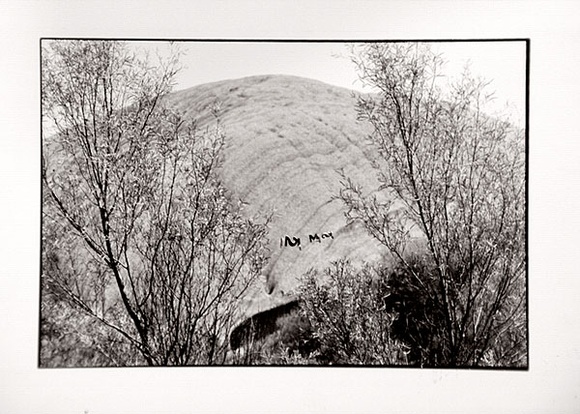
x,y
286,139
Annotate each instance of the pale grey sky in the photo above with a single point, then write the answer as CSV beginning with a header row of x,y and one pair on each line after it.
x,y
501,62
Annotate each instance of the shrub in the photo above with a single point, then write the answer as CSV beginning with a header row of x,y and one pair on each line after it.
x,y
349,320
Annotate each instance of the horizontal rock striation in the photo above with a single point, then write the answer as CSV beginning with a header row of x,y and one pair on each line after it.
x,y
287,137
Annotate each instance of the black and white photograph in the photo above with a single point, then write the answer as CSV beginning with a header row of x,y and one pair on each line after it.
x,y
284,203
289,207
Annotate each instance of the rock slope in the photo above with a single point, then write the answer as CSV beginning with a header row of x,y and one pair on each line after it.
x,y
286,139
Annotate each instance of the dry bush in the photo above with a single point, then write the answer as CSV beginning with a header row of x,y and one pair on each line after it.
x,y
348,317
453,177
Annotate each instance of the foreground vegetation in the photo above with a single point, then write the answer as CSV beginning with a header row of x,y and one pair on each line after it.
x,y
375,316
145,255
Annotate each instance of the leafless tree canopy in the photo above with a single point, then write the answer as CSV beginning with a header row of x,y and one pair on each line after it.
x,y
141,239
453,177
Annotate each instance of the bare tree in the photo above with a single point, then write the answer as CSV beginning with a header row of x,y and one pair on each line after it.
x,y
139,232
453,177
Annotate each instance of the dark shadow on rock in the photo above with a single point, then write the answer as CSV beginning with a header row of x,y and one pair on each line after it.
x,y
260,325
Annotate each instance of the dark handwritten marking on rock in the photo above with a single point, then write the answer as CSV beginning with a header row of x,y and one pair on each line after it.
x,y
295,241
312,238
327,235
288,242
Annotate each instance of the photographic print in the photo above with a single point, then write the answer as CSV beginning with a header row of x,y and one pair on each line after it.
x,y
317,203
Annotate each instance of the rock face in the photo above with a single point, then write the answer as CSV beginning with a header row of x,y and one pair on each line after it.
x,y
286,139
